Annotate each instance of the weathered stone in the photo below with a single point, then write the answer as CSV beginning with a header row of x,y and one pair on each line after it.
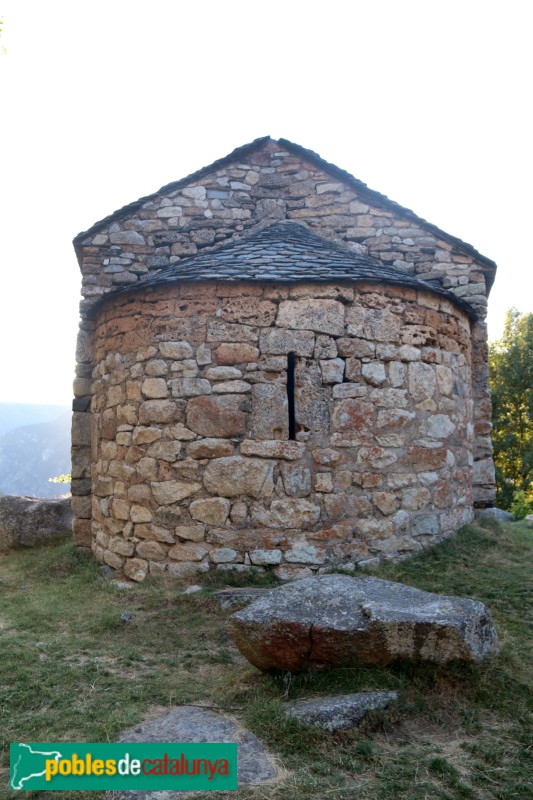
x,y
151,551
325,346
270,416
236,475
146,435
494,513
322,316
352,415
168,492
30,521
228,354
310,400
223,373
226,555
193,533
212,511
287,513
217,416
136,569
193,724
374,373
166,451
140,514
323,482
386,502
281,342
175,350
219,331
189,387
289,451
422,380
157,411
210,448
231,387
155,388
296,480
188,552
359,621
184,369
265,557
440,426
338,712
332,370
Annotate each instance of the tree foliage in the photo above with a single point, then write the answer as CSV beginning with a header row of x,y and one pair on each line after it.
x,y
511,376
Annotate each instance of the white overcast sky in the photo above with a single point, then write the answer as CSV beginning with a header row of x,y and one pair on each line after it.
x,y
103,102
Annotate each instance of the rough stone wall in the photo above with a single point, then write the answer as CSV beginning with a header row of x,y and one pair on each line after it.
x,y
192,464
270,183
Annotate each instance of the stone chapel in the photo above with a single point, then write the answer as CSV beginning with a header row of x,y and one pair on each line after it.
x,y
276,367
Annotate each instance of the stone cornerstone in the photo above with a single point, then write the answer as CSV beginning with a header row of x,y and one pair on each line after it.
x,y
278,367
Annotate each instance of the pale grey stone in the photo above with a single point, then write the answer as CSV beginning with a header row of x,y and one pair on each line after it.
x,y
225,555
203,355
422,380
231,387
325,347
126,237
496,513
223,373
301,553
270,416
189,387
265,557
336,620
193,724
175,350
322,316
235,475
440,426
374,373
281,342
338,712
30,521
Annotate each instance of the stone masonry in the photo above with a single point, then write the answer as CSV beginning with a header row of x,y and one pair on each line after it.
x,y
183,455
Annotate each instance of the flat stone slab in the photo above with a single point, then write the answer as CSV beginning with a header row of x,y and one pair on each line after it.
x,y
338,712
31,521
194,724
238,598
336,620
495,513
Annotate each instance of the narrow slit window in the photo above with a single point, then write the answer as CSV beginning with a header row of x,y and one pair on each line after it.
x,y
291,362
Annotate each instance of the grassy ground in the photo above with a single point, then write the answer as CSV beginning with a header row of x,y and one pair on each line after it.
x,y
72,670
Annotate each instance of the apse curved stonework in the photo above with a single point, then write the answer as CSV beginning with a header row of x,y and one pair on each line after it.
x,y
265,388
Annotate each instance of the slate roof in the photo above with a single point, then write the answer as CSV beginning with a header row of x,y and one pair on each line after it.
x,y
239,154
285,252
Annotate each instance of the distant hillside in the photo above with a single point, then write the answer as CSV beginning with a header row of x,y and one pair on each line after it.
x,y
32,454
15,415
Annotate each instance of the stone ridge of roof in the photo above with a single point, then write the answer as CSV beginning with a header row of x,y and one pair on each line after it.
x,y
284,252
239,153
